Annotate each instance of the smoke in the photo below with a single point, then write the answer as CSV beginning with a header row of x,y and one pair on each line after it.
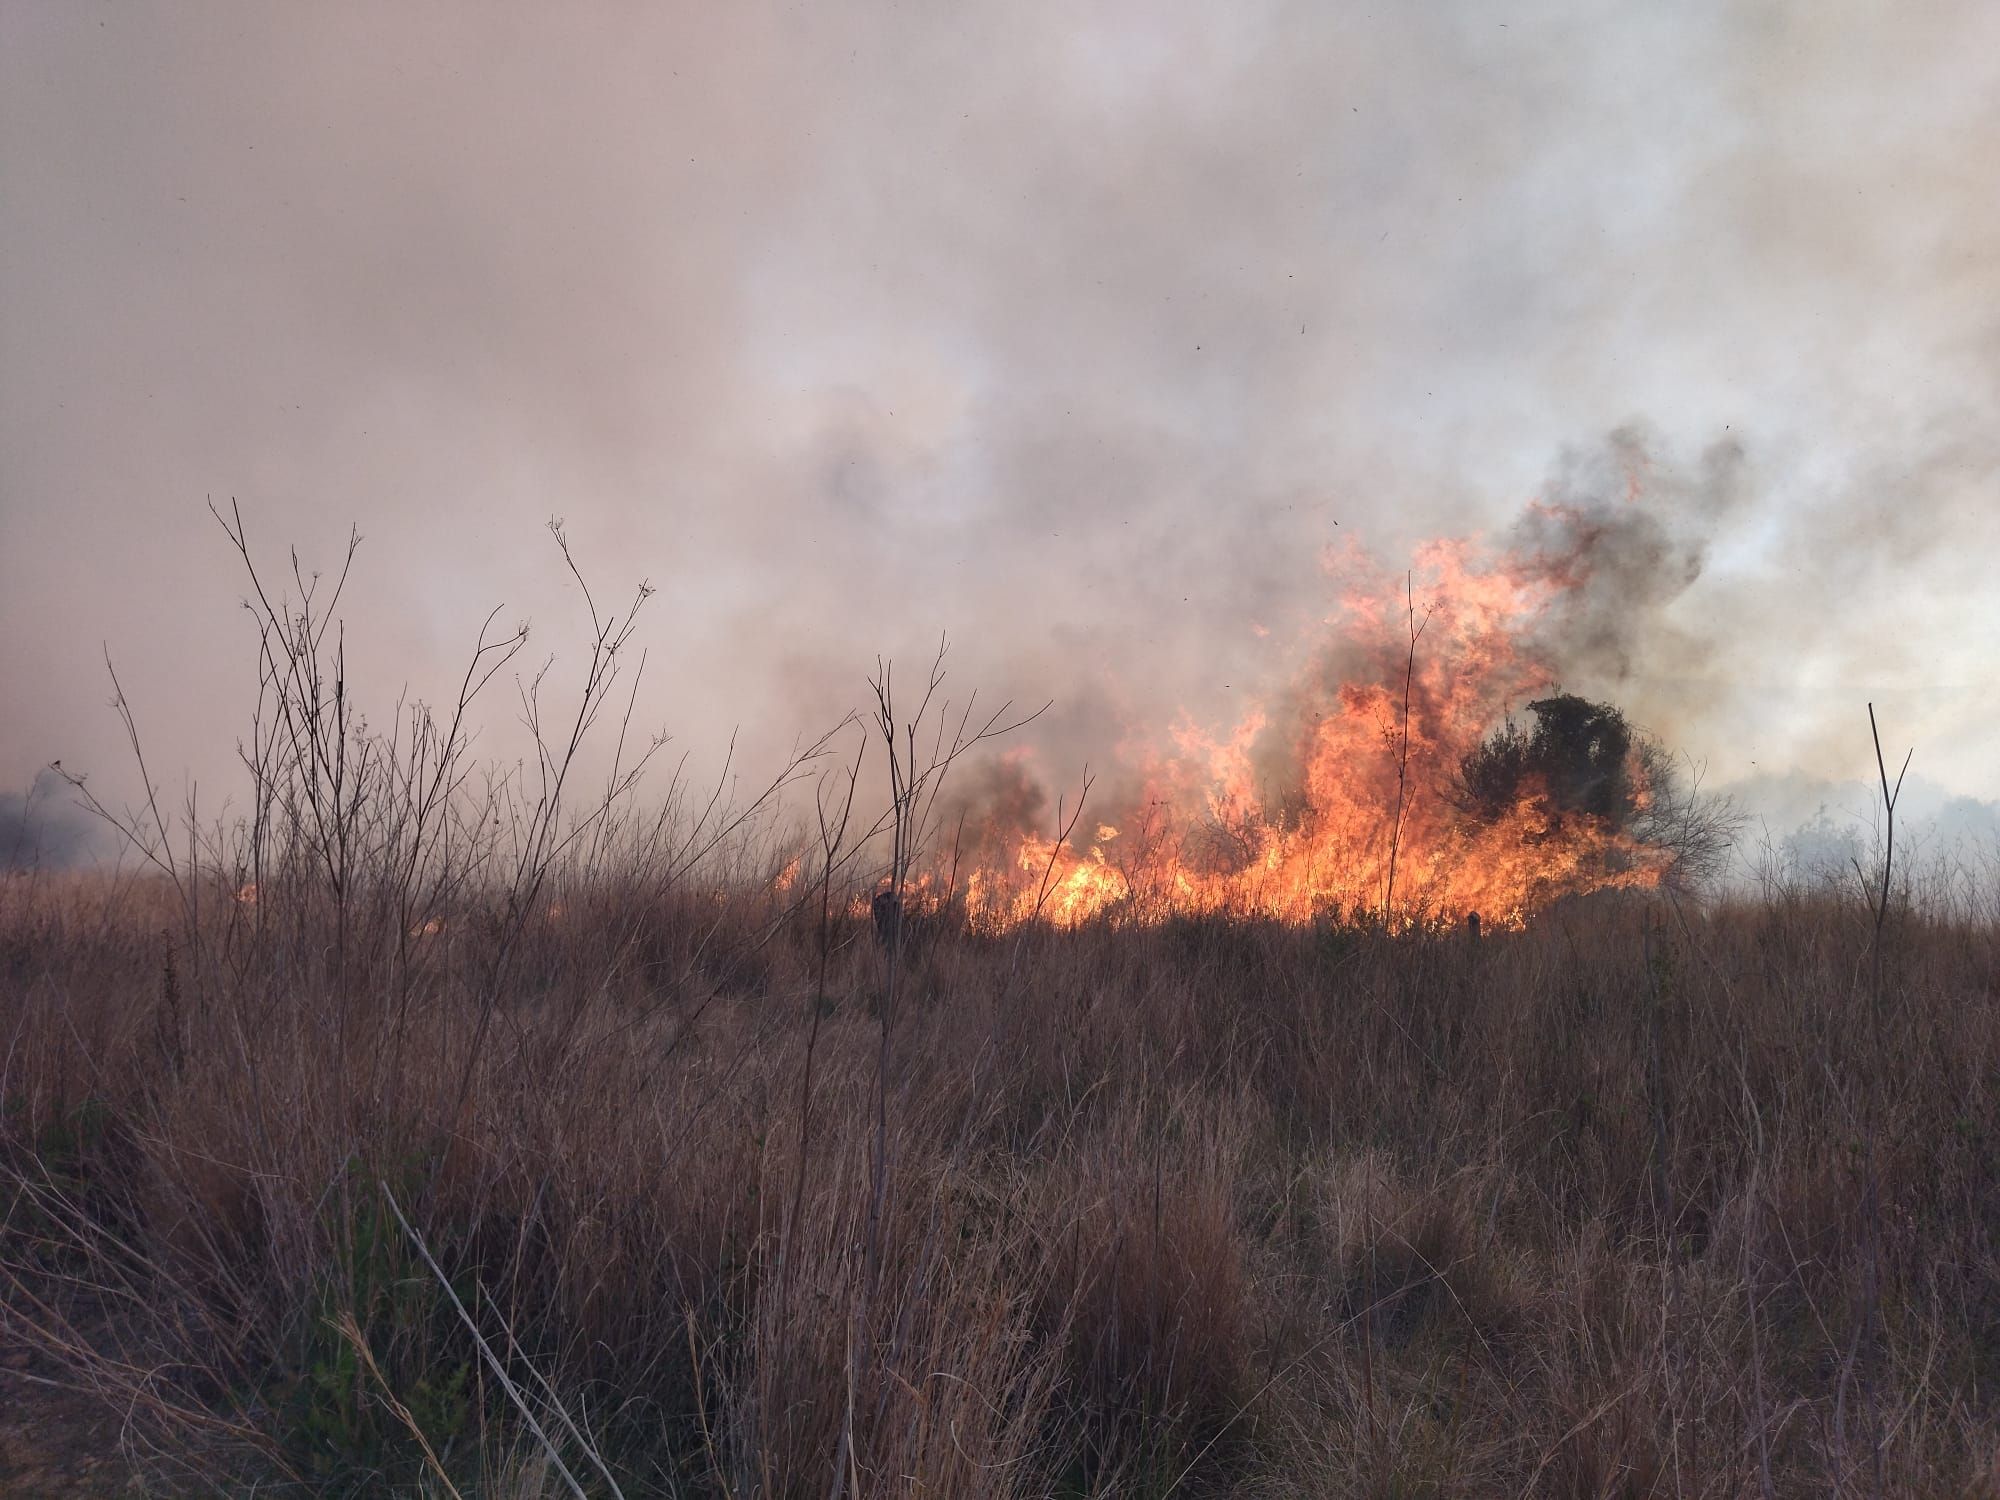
x,y
1585,589
1623,533
1078,335
42,829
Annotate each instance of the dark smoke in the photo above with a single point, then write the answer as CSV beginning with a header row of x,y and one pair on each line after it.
x,y
989,807
1622,534
43,829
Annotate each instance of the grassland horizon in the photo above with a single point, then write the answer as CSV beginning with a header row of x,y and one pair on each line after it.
x,y
423,1132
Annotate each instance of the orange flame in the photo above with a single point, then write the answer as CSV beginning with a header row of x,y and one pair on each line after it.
x,y
1335,797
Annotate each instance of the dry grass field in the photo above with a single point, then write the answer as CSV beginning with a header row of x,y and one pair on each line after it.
x,y
1651,1198
432,1132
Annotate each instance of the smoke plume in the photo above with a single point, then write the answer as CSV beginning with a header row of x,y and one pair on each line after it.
x,y
42,829
1080,336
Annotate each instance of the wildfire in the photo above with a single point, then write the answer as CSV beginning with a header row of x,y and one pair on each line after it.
x,y
1342,795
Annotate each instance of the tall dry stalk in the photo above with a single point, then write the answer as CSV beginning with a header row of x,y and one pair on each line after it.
x,y
1417,629
917,772
1871,1189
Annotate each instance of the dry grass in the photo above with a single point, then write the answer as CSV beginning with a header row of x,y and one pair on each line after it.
x,y
1203,1208
508,1145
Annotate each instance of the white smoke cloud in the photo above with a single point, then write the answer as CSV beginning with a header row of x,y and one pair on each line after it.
x,y
1077,334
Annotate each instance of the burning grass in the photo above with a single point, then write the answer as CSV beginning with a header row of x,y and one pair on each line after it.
x,y
1388,778
461,1136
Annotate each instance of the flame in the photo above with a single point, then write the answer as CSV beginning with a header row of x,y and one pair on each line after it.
x,y
1333,798
923,891
430,927
246,895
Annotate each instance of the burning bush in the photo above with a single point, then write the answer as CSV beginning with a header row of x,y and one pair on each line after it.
x,y
1579,756
1586,766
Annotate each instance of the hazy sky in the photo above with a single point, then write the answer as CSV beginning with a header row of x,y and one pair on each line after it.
x,y
1072,330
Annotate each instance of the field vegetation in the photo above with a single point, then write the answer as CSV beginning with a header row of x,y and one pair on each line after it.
x,y
431,1133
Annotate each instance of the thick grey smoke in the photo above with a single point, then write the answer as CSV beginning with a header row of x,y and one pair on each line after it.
x,y
1622,533
1077,333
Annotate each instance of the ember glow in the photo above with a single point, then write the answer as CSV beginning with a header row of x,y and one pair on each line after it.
x,y
1337,798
